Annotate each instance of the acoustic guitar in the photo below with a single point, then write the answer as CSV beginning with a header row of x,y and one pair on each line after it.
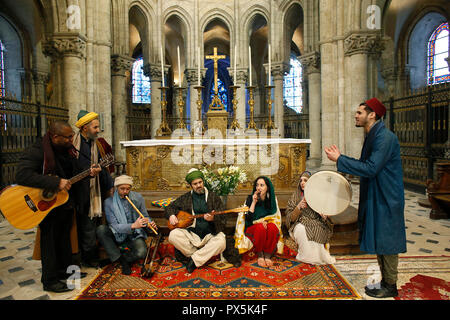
x,y
25,207
185,219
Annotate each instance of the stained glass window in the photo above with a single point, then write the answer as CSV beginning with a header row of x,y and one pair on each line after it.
x,y
438,70
293,85
141,83
2,71
222,93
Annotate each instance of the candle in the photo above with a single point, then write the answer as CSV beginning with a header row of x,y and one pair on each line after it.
x,y
198,68
179,66
162,66
250,65
270,66
234,69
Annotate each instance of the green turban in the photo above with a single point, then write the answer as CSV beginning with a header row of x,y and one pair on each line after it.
x,y
194,174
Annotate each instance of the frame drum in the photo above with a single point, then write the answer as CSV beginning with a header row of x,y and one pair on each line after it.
x,y
328,192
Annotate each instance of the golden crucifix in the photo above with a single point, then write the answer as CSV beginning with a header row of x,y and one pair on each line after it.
x,y
216,58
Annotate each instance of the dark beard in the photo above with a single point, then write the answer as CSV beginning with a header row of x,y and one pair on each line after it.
x,y
202,191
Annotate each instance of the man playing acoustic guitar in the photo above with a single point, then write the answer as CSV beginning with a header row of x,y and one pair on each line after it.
x,y
49,164
205,238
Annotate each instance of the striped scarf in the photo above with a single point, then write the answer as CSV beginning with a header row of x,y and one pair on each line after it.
x,y
95,209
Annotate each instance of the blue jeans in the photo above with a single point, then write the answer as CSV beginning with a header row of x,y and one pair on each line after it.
x,y
106,237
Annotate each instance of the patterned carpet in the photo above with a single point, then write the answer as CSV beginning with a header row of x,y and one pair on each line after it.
x,y
286,279
419,277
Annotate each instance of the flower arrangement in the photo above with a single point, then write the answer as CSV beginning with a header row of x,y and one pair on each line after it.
x,y
224,181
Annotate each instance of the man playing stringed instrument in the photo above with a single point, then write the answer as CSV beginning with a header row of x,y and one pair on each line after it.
x,y
48,164
205,238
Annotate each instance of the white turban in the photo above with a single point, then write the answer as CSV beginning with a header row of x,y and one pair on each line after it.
x,y
123,179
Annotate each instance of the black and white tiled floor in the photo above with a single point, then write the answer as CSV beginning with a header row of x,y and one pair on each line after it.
x,y
20,275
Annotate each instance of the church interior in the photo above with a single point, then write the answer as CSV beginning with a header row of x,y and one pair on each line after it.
x,y
282,77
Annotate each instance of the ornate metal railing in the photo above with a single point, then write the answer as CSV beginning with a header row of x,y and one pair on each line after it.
x,y
421,120
22,122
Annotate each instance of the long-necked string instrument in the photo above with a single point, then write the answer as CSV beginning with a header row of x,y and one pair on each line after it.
x,y
185,219
142,216
147,267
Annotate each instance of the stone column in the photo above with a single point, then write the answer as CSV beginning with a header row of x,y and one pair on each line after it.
x,y
311,67
279,71
71,47
120,64
154,72
192,79
40,82
241,80
357,47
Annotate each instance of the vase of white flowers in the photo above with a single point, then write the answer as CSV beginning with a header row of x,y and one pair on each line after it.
x,y
223,181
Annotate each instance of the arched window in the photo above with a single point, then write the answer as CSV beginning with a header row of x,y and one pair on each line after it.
x,y
438,70
222,93
2,71
293,85
141,83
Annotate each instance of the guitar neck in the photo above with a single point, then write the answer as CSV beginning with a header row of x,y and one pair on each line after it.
x,y
80,176
216,213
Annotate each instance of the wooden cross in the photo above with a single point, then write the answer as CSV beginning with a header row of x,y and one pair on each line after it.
x,y
215,57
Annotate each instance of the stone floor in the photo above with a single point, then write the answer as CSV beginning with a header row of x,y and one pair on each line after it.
x,y
20,275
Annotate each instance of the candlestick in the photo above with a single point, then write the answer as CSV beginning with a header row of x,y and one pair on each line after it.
x,y
250,66
181,124
235,124
179,66
199,110
163,129
269,124
251,103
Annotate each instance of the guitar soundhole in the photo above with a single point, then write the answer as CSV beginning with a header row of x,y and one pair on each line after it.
x,y
45,205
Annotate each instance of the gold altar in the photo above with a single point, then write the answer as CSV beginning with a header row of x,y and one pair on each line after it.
x,y
162,164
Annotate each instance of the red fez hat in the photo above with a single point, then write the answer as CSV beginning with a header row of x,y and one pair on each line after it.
x,y
376,106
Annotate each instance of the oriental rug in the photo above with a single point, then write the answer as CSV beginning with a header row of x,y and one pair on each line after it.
x,y
419,277
286,279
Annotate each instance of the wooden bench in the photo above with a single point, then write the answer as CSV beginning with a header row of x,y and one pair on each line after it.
x,y
439,192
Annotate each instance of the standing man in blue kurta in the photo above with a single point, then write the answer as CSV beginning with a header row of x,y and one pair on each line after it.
x,y
381,200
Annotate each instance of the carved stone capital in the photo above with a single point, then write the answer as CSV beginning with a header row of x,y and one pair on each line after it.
x,y
278,70
60,45
311,62
363,43
191,75
120,64
41,77
241,75
389,73
154,71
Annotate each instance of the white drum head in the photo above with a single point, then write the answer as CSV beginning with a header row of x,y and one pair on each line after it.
x,y
328,192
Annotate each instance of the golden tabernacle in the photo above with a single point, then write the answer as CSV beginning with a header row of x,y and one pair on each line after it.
x,y
162,164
